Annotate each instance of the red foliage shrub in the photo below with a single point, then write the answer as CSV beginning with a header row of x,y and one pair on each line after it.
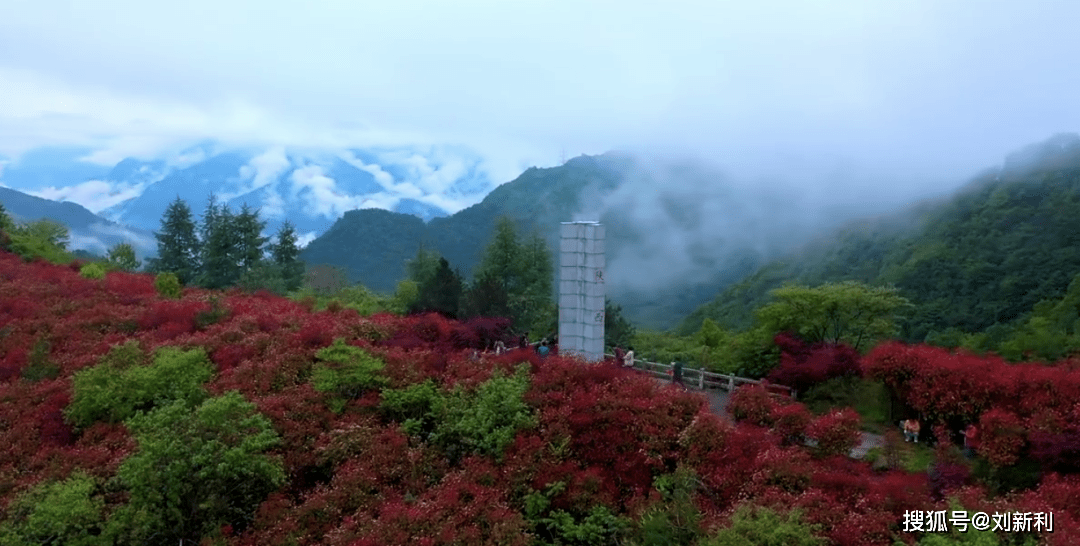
x,y
1002,437
836,433
753,404
790,423
54,431
803,366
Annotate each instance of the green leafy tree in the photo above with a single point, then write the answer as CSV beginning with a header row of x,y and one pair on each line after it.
x,y
53,233
285,255
618,331
441,293
405,297
178,245
44,239
220,248
848,312
195,471
68,512
122,256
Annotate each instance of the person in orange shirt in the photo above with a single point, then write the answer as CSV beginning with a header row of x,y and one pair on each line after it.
x,y
911,430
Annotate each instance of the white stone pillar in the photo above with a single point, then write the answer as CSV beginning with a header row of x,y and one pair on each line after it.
x,y
581,290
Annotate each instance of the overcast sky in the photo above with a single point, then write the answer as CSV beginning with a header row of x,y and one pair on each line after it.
x,y
912,88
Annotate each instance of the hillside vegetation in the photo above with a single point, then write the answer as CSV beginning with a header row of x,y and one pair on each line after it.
x,y
139,411
975,266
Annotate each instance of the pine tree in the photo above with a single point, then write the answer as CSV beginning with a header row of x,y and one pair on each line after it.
x,y
441,293
513,280
220,263
284,254
251,247
178,247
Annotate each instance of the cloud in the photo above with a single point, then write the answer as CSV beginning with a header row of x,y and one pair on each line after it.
x,y
912,90
321,195
263,170
95,195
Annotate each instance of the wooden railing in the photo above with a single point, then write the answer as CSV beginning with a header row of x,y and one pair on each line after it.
x,y
701,379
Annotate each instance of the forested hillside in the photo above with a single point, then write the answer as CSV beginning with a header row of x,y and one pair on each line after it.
x,y
985,257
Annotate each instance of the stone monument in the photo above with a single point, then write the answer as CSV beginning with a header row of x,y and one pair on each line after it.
x,y
581,290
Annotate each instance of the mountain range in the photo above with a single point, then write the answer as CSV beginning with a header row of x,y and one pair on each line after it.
x,y
678,234
311,188
974,261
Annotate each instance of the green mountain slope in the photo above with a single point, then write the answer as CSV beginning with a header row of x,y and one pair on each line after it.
x,y
373,245
1006,241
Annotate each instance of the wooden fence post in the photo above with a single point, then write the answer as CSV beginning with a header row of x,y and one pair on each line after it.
x,y
701,378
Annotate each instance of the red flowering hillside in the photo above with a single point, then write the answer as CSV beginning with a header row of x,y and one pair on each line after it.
x,y
231,418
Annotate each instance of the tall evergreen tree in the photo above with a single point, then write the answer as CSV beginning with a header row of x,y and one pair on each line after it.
x,y
178,246
285,255
251,247
220,260
516,276
422,268
441,293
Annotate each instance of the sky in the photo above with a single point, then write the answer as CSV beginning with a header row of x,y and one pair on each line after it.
x,y
905,94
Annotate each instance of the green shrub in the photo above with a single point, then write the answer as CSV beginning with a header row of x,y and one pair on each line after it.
x,y
411,406
92,271
66,512
486,421
559,527
195,471
677,519
346,372
115,389
765,527
168,285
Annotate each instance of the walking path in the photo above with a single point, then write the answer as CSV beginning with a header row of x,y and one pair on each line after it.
x,y
718,402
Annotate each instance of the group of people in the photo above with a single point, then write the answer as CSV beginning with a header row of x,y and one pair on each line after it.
x,y
624,358
912,428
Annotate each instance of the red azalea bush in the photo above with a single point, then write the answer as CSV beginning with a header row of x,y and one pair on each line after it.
x,y
753,404
1002,436
803,365
355,476
836,433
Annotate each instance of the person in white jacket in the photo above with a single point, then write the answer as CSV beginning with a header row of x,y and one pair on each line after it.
x,y
628,360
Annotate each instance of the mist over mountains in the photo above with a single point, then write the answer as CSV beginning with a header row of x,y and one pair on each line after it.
x,y
312,188
679,230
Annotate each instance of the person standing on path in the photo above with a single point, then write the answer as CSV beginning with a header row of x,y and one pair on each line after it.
x,y
677,374
628,360
620,357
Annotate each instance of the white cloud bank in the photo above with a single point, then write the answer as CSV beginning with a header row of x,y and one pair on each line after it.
x,y
905,88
